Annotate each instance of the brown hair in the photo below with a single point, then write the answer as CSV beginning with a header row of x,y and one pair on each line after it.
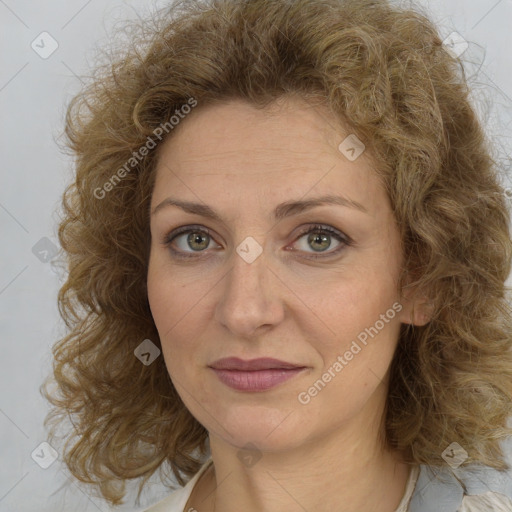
x,y
383,71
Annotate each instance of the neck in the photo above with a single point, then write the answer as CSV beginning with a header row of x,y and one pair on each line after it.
x,y
342,471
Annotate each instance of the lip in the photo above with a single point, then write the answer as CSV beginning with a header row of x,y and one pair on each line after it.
x,y
262,363
256,374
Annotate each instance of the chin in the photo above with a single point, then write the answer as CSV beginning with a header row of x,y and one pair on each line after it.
x,y
266,427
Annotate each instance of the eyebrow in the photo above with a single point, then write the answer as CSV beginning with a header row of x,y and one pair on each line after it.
x,y
283,210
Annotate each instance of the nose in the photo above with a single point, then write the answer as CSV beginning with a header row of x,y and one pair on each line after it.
x,y
250,297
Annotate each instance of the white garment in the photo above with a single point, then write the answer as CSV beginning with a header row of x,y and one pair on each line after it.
x,y
488,502
429,489
479,502
177,500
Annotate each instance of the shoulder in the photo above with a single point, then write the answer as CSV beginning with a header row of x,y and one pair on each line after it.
x,y
486,488
177,500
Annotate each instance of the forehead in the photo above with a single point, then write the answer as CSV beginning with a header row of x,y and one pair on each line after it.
x,y
287,148
290,123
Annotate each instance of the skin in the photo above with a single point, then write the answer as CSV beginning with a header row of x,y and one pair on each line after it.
x,y
242,162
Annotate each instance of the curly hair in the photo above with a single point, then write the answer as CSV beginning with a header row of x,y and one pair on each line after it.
x,y
384,72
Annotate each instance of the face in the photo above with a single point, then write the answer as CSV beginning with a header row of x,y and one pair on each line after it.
x,y
304,286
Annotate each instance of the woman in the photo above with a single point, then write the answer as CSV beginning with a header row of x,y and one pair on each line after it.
x,y
287,249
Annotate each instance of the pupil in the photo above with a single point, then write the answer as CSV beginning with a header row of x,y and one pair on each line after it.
x,y
318,238
196,238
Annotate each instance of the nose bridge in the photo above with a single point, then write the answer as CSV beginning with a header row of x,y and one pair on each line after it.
x,y
249,267
248,299
247,281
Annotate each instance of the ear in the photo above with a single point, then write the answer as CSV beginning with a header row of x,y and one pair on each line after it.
x,y
417,308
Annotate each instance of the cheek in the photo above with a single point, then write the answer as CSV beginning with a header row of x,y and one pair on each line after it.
x,y
362,317
165,309
172,307
159,299
168,298
350,302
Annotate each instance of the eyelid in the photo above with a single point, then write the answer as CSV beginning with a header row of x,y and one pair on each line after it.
x,y
170,236
344,239
316,226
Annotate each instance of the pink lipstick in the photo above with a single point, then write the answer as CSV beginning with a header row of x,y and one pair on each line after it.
x,y
254,375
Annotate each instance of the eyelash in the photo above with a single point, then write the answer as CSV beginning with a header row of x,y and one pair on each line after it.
x,y
345,240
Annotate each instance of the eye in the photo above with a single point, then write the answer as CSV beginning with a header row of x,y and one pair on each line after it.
x,y
319,239
198,239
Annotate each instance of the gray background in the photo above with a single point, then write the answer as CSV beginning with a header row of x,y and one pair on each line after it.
x,y
33,95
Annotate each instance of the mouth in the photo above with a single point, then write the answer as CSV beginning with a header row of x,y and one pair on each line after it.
x,y
262,363
255,375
